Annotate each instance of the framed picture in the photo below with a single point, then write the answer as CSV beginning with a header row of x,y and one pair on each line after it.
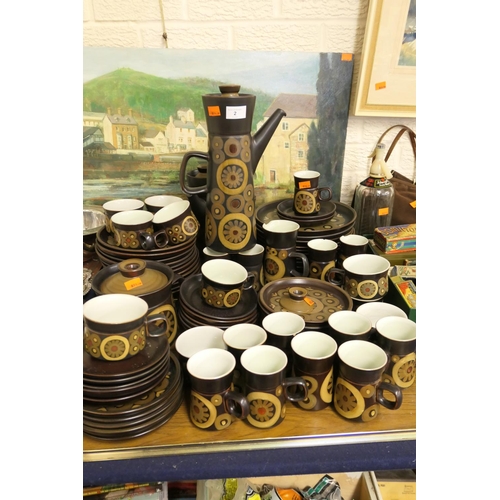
x,y
387,75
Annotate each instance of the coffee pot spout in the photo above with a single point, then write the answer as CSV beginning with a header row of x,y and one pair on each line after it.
x,y
262,137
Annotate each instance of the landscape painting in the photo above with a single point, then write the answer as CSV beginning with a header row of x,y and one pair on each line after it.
x,y
143,110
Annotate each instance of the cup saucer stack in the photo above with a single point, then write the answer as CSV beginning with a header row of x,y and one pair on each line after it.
x,y
193,311
131,397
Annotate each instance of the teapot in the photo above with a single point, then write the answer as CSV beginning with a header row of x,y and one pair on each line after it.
x,y
232,158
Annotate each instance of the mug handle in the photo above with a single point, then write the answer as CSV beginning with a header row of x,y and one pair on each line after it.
x,y
305,263
295,383
393,389
328,195
249,282
236,404
332,273
154,318
156,240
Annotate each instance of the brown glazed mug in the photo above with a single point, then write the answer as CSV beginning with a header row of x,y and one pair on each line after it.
x,y
313,358
398,338
130,226
351,244
253,260
157,202
359,388
308,195
281,258
112,207
178,222
213,402
116,326
267,388
223,282
322,254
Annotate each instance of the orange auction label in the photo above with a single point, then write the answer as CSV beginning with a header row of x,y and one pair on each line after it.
x,y
383,211
380,85
133,283
304,184
308,301
213,111
413,204
346,57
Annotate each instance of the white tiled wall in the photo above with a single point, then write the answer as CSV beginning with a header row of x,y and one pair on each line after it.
x,y
273,25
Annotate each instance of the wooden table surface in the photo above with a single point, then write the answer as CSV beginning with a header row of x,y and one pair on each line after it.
x,y
300,427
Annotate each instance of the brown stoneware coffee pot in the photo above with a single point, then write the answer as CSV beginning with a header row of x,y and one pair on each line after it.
x,y
232,158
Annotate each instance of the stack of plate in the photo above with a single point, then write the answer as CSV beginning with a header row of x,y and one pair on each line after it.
x,y
183,259
336,220
131,397
192,310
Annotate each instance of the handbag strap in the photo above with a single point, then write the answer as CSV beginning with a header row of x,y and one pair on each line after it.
x,y
403,128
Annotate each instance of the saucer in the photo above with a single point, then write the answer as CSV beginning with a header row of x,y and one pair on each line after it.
x,y
286,211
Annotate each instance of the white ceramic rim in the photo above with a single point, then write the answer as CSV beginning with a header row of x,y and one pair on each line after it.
x,y
355,240
224,272
322,244
115,308
255,250
198,338
281,322
171,211
132,217
281,226
362,355
213,253
123,204
162,200
306,174
359,264
349,323
244,336
264,360
211,364
378,310
397,328
314,345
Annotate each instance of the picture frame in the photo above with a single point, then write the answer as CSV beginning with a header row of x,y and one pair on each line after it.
x,y
387,75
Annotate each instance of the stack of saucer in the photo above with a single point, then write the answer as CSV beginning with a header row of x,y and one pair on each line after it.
x,y
194,311
133,396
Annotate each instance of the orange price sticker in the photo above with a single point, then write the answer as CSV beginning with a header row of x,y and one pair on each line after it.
x,y
413,204
213,111
346,57
308,301
380,86
383,211
133,283
304,184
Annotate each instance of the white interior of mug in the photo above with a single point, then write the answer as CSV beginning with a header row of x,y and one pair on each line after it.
x,y
132,218
210,364
314,345
281,226
161,200
123,204
255,250
354,240
213,253
378,310
397,328
306,174
349,322
322,244
244,335
362,355
195,339
224,272
171,211
283,323
264,360
366,264
115,308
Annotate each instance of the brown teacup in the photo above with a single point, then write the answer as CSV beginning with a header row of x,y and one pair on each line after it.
x,y
178,222
322,253
116,326
308,195
213,402
359,389
157,202
253,260
313,358
130,226
267,388
351,244
223,282
112,207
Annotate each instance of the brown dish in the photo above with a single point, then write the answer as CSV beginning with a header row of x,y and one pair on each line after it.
x,y
286,211
312,299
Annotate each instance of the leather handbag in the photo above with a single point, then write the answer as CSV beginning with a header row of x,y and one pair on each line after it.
x,y
405,190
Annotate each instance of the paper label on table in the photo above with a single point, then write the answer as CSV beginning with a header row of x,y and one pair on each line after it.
x,y
213,111
236,112
380,85
383,211
413,204
304,184
346,57
133,283
308,301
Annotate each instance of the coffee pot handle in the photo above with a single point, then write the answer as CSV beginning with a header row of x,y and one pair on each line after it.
x,y
182,173
305,264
